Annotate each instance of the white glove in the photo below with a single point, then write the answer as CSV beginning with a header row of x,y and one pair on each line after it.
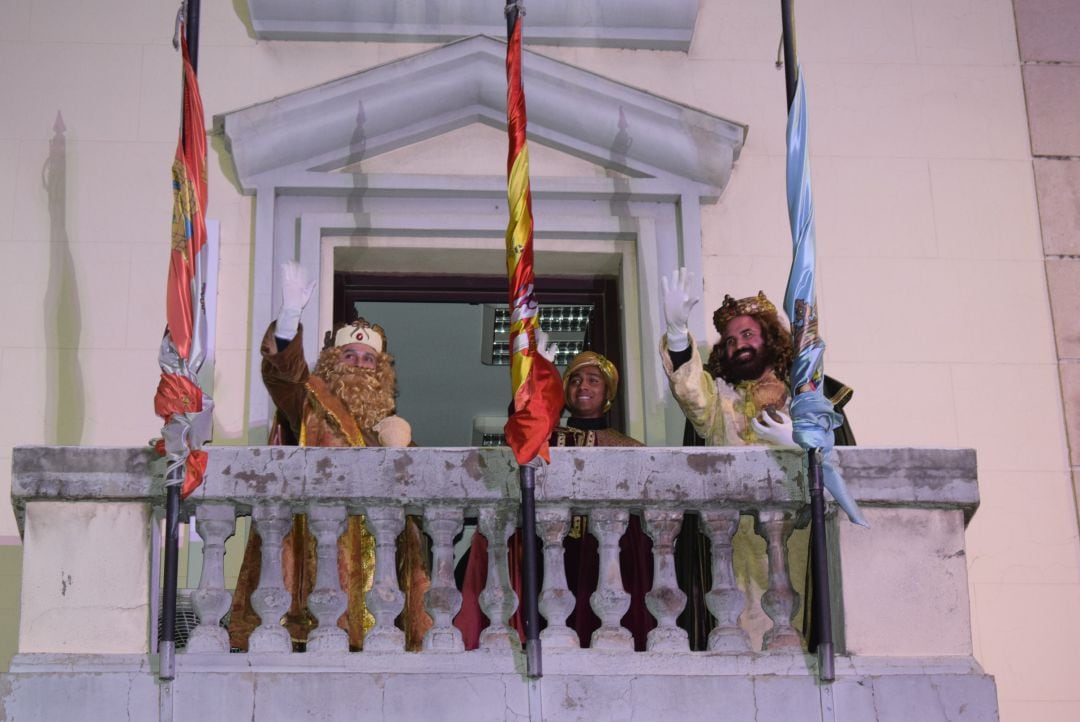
x,y
678,300
394,431
547,350
295,293
774,433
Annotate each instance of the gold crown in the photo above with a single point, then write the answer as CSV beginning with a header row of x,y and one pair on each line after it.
x,y
749,306
607,369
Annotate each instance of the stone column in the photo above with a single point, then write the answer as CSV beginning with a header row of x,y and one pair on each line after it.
x,y
498,599
327,601
385,600
443,600
271,599
779,601
556,601
725,600
610,601
665,600
215,523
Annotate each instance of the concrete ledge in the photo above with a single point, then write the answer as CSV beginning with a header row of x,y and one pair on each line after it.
x,y
83,473
678,477
243,687
911,477
556,662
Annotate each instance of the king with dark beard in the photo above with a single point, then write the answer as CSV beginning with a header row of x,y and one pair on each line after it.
x,y
741,395
346,401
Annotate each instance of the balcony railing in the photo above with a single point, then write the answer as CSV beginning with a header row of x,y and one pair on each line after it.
x,y
86,515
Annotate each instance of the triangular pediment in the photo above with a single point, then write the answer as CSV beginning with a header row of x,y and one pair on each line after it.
x,y
475,149
369,114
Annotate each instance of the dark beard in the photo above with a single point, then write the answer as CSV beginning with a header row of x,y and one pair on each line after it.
x,y
750,368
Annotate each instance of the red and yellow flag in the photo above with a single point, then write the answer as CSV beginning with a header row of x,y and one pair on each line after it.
x,y
180,401
189,213
537,388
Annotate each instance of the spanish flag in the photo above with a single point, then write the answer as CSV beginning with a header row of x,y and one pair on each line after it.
x,y
537,388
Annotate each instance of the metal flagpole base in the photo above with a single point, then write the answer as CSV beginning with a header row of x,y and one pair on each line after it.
x,y
826,668
533,668
166,660
822,605
167,636
529,572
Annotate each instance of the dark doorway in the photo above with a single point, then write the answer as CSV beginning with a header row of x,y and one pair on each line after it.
x,y
436,362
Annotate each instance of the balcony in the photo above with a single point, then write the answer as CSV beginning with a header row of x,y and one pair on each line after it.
x,y
900,594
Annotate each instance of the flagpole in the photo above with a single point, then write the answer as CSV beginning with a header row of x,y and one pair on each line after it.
x,y
819,560
527,475
174,477
192,7
791,67
167,638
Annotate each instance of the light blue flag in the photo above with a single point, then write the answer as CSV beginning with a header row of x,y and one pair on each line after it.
x,y
812,415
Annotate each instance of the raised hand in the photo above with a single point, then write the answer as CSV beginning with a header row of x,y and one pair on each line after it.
x,y
547,350
679,298
296,291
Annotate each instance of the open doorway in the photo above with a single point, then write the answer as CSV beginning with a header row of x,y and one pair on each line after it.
x,y
445,339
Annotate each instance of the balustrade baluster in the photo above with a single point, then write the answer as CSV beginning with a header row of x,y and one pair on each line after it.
x,y
385,600
498,599
725,600
443,600
327,601
779,601
270,599
556,600
610,601
215,523
665,600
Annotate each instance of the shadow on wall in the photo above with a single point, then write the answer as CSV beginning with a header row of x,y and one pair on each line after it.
x,y
357,149
243,13
64,401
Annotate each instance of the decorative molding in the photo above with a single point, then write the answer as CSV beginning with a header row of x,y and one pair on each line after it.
x,y
360,116
642,24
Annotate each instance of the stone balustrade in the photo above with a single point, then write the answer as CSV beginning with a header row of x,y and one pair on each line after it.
x,y
766,488
747,502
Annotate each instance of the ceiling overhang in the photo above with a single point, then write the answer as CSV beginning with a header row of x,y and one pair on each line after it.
x,y
643,24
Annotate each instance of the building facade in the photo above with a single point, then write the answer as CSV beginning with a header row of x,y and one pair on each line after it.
x,y
943,141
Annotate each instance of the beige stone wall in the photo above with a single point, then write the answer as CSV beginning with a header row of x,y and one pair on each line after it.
x,y
1050,60
933,285
93,605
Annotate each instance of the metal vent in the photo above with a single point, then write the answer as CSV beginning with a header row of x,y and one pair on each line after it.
x,y
186,618
565,325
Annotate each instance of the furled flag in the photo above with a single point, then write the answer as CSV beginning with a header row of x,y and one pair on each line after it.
x,y
537,389
812,415
180,400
